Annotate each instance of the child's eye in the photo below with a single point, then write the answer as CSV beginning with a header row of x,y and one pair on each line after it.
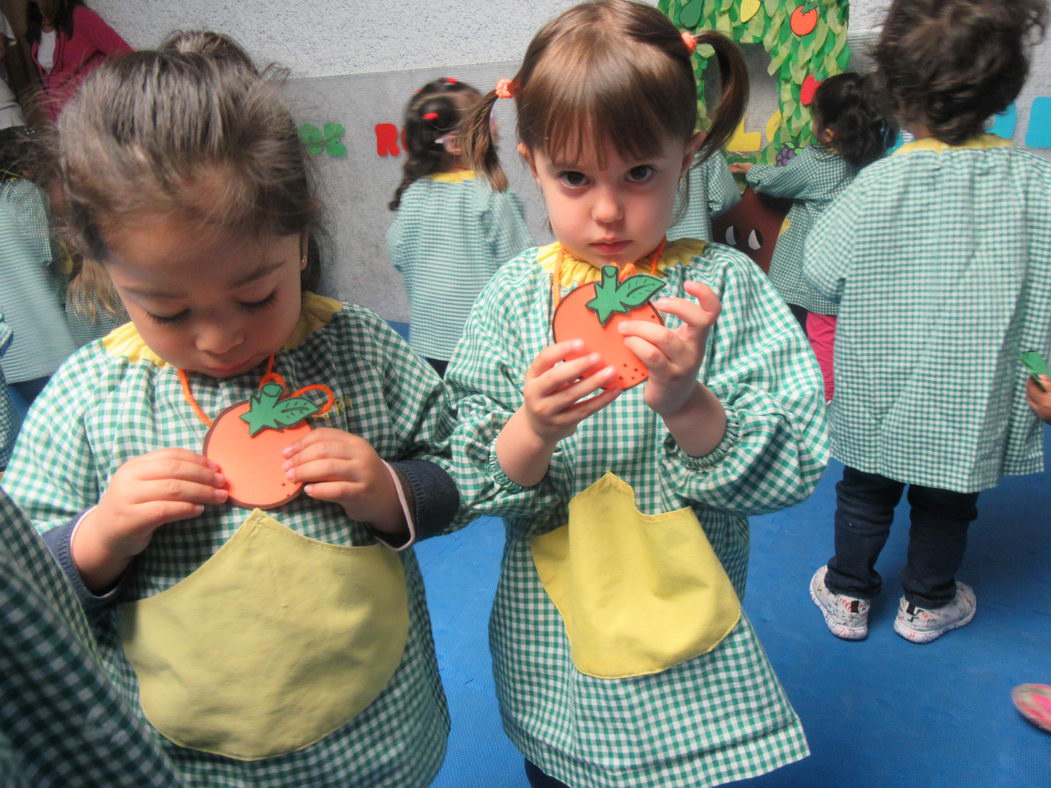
x,y
251,306
640,174
572,178
168,319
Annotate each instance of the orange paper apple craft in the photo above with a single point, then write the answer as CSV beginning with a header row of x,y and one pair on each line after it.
x,y
593,311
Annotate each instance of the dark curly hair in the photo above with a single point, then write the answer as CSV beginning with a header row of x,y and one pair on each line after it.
x,y
857,111
952,64
435,110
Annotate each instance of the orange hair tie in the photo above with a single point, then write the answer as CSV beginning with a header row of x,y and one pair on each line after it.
x,y
506,88
690,40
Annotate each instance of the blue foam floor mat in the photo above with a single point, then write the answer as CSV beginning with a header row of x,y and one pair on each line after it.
x,y
880,712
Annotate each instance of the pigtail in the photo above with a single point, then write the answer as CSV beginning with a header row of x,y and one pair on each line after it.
x,y
733,76
479,148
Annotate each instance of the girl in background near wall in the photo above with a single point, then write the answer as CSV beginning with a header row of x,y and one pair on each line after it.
x,y
940,260
620,652
708,191
287,647
852,128
452,230
67,40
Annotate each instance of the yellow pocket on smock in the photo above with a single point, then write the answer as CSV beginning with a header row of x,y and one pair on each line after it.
x,y
273,643
638,593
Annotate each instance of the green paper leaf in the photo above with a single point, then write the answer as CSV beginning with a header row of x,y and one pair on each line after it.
x,y
620,298
267,411
690,15
1037,365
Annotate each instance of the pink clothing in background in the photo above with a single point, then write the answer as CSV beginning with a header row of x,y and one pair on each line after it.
x,y
821,331
76,56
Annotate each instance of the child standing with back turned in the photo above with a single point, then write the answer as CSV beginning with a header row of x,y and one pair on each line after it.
x,y
284,648
940,259
620,652
852,130
452,231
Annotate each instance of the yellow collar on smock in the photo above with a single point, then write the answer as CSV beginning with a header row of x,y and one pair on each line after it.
x,y
456,176
981,142
576,272
315,313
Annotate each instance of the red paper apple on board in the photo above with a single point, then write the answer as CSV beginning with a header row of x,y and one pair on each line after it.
x,y
804,19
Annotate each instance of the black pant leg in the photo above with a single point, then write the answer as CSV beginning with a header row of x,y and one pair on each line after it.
x,y
937,542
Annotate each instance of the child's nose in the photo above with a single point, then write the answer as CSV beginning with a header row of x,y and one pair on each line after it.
x,y
607,207
218,339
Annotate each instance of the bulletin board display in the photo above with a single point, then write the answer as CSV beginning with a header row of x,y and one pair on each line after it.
x,y
806,42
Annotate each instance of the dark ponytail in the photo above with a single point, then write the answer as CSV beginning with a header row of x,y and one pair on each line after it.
x,y
436,110
733,76
859,114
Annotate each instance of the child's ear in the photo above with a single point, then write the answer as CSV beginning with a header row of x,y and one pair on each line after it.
x,y
527,154
692,146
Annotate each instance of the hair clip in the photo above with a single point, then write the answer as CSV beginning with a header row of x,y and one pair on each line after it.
x,y
430,116
690,40
450,80
506,88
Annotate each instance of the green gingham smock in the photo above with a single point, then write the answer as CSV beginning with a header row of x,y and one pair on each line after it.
x,y
940,258
720,716
31,289
712,190
62,723
106,406
450,235
7,419
813,179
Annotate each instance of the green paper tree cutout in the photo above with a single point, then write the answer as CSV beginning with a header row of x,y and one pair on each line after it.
x,y
267,411
613,297
799,46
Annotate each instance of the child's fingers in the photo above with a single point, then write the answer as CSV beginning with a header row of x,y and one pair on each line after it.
x,y
340,492
162,469
563,376
581,410
316,437
325,469
551,355
161,512
176,455
569,395
172,490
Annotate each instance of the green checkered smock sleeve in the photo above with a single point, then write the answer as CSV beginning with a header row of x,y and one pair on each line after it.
x,y
452,232
711,190
813,179
721,716
940,259
61,720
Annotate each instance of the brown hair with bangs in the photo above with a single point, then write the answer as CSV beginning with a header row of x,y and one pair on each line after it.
x,y
610,70
185,133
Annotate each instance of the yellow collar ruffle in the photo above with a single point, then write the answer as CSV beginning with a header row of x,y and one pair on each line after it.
x,y
576,272
456,176
315,313
981,142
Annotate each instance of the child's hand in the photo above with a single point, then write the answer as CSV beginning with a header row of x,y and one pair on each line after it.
x,y
673,357
1039,401
344,468
741,167
552,390
144,494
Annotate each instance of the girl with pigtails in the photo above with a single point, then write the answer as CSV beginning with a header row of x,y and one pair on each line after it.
x,y
452,231
625,441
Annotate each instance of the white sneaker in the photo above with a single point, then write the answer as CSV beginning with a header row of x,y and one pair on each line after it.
x,y
921,625
847,617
